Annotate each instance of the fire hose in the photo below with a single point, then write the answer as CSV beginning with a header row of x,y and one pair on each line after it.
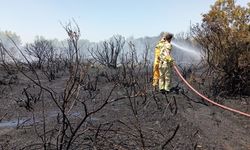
x,y
207,99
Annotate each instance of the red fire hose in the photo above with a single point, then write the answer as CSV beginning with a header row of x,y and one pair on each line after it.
x,y
207,99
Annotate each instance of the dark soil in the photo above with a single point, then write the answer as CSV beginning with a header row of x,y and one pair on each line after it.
x,y
198,125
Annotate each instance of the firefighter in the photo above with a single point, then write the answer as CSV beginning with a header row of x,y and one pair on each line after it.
x,y
165,63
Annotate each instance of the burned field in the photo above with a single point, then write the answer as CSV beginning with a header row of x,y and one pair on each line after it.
x,y
65,101
114,109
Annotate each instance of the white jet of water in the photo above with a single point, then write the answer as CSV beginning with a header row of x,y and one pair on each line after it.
x,y
186,49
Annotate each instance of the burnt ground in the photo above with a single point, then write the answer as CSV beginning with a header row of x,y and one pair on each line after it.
x,y
179,120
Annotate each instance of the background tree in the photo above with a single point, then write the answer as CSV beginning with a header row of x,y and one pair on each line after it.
x,y
108,54
39,49
6,43
224,36
4,38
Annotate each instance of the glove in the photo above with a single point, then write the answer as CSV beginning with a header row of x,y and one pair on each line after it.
x,y
169,59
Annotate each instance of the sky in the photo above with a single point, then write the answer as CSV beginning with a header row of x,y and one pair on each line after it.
x,y
100,19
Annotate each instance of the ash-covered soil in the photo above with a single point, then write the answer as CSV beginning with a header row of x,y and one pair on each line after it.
x,y
134,117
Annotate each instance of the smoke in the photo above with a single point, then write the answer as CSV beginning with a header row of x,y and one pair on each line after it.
x,y
184,52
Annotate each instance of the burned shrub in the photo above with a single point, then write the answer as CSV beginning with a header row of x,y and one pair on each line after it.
x,y
224,36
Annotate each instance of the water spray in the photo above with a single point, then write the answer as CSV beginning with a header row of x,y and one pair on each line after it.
x,y
186,49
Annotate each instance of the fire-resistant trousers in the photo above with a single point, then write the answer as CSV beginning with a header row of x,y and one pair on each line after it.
x,y
165,76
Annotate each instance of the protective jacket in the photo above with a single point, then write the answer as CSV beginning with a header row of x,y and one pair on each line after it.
x,y
164,54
